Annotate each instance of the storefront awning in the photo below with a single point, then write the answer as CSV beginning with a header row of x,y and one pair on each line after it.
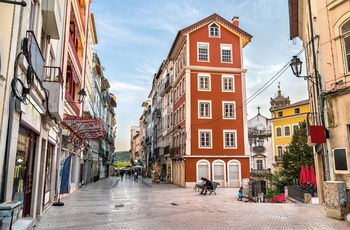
x,y
85,128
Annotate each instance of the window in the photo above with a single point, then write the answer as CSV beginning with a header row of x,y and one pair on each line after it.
x,y
340,160
203,169
345,33
228,83
297,111
287,131
230,139
204,139
280,151
203,82
280,114
204,109
203,52
229,110
219,170
214,30
278,132
259,164
226,53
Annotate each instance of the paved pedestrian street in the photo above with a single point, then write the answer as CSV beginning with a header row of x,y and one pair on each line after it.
x,y
113,203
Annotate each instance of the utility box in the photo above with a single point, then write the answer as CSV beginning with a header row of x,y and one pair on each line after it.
x,y
336,199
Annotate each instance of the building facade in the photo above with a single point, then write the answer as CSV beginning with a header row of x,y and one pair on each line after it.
x,y
260,144
324,28
285,118
196,126
46,69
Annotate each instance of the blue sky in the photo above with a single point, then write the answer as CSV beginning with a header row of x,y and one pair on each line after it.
x,y
135,36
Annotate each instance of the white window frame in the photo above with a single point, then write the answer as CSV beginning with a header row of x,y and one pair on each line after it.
x,y
258,161
210,136
279,127
233,103
200,45
200,103
203,163
227,77
230,131
204,76
217,35
223,165
284,130
346,56
279,153
225,47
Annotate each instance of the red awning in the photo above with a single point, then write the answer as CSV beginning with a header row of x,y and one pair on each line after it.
x,y
85,128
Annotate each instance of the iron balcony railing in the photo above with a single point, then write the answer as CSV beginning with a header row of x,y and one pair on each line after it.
x,y
296,193
278,158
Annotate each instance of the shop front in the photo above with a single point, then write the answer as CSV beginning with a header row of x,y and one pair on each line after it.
x,y
24,170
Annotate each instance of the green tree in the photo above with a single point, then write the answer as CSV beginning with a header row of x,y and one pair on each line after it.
x,y
276,185
298,154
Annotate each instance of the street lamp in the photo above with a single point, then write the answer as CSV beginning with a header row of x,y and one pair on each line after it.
x,y
296,64
23,3
81,95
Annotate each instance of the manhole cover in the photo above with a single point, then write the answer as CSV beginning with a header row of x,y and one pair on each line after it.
x,y
173,203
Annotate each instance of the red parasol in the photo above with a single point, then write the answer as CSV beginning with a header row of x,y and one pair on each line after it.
x,y
302,176
307,176
312,176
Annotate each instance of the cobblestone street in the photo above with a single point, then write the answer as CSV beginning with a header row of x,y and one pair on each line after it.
x,y
127,204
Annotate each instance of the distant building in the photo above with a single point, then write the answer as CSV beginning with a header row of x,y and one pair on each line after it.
x,y
260,144
285,120
196,126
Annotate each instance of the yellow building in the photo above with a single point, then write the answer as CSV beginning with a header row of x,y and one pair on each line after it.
x,y
285,120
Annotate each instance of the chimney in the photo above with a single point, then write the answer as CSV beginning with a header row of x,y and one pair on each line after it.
x,y
235,21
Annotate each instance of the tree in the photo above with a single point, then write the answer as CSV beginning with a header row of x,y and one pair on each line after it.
x,y
298,154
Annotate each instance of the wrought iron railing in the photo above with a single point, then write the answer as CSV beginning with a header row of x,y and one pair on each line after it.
x,y
296,193
53,74
278,158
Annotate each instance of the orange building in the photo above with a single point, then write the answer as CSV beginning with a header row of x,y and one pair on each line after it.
x,y
210,131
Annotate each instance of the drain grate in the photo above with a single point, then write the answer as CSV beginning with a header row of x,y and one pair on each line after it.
x,y
119,206
173,203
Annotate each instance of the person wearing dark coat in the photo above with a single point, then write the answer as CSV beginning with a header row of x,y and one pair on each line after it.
x,y
207,185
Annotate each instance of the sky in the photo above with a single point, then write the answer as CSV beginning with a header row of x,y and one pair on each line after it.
x,y
135,36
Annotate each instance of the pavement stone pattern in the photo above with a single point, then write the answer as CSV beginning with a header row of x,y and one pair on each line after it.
x,y
113,203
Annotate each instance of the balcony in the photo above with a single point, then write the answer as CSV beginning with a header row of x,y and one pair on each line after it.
x,y
72,103
175,152
51,17
278,158
166,150
156,152
260,172
166,87
53,82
